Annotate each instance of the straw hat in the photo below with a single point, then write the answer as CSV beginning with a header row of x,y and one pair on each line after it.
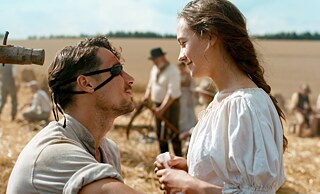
x,y
206,87
305,88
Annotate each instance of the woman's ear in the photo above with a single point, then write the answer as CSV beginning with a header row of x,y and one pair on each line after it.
x,y
84,84
213,39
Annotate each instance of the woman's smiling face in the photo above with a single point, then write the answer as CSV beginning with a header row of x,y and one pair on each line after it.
x,y
192,50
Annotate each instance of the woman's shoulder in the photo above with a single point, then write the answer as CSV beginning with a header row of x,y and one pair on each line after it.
x,y
254,99
245,94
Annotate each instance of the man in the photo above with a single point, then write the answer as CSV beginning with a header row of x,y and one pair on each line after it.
x,y
300,104
40,107
8,87
90,89
164,91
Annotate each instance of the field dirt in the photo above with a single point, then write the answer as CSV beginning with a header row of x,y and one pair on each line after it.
x,y
287,65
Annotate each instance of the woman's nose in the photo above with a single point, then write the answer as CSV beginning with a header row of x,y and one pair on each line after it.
x,y
181,56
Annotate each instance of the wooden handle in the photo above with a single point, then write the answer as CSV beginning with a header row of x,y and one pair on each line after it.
x,y
10,54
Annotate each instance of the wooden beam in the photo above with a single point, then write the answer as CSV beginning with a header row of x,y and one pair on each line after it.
x,y
10,54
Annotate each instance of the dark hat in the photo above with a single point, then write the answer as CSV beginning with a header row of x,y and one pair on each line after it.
x,y
156,52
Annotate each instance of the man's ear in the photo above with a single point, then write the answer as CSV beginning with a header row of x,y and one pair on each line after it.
x,y
84,84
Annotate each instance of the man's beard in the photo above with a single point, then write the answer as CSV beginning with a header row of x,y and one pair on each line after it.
x,y
124,108
162,65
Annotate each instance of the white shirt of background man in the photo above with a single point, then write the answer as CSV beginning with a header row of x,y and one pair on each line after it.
x,y
41,102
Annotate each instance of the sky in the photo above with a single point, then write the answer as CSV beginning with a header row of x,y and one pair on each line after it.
x,y
24,18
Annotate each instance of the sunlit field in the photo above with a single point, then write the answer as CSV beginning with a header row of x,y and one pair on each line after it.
x,y
287,65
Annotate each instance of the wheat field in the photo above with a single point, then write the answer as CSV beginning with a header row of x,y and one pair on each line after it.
x,y
287,64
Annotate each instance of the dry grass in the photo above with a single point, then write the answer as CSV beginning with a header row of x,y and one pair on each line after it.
x,y
287,65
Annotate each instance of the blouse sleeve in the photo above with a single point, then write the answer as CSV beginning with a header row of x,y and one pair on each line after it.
x,y
254,152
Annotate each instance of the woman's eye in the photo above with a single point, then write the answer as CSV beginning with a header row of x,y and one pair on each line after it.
x,y
182,44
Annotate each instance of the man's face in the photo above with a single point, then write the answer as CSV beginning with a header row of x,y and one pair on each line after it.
x,y
33,89
160,61
116,96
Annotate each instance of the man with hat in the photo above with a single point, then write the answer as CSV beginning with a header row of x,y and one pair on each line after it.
x,y
164,91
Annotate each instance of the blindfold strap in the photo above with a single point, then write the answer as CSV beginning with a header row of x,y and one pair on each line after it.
x,y
55,108
95,89
115,71
104,83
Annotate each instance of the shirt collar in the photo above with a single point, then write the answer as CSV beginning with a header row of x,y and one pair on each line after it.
x,y
85,137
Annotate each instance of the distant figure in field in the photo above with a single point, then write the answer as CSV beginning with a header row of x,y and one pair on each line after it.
x,y
206,92
41,106
188,117
301,107
318,104
8,87
164,91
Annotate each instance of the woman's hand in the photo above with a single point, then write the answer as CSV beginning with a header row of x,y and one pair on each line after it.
x,y
173,180
173,176
174,162
172,172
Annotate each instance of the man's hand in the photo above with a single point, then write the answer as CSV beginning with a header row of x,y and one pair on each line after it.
x,y
158,112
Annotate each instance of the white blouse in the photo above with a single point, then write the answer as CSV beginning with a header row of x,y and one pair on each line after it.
x,y
237,143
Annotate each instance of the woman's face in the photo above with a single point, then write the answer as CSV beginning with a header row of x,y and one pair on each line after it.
x,y
193,50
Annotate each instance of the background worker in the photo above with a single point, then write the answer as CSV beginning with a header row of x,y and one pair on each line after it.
x,y
164,91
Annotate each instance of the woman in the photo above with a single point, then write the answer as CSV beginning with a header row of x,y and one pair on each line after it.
x,y
237,145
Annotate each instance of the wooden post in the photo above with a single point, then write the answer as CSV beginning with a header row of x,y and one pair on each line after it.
x,y
10,54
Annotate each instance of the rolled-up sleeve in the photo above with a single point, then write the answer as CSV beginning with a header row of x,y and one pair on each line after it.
x,y
89,174
68,167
